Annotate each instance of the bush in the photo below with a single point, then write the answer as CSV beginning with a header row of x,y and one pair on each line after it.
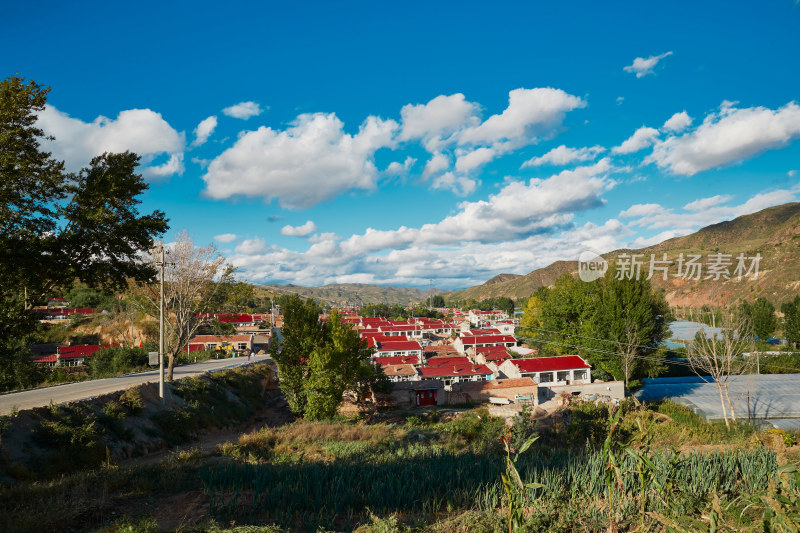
x,y
116,361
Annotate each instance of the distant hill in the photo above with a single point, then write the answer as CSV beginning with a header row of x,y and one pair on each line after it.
x,y
773,232
356,293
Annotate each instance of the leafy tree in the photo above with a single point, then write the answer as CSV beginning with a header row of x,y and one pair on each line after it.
x,y
761,316
318,363
438,301
56,227
791,320
617,324
302,333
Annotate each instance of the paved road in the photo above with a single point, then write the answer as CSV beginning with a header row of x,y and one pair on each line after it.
x,y
71,392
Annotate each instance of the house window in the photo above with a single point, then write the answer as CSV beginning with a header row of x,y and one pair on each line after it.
x,y
562,376
546,377
580,374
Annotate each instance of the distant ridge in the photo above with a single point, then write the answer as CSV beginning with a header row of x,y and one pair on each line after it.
x,y
356,293
773,232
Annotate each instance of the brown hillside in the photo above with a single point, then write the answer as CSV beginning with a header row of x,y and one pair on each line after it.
x,y
774,233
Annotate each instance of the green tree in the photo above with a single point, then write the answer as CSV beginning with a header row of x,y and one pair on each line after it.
x,y
791,320
761,316
617,325
318,362
335,367
56,227
302,333
438,301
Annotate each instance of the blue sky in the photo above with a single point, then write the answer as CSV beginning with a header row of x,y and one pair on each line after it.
x,y
318,143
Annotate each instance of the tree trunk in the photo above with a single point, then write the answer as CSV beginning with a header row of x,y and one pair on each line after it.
x,y
722,403
170,366
730,403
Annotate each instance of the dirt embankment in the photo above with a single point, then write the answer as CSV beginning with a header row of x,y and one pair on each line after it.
x,y
49,441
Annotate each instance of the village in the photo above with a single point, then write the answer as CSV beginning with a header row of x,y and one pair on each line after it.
x,y
468,357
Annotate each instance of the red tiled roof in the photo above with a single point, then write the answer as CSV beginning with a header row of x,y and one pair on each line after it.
x,y
203,339
491,349
445,361
398,360
44,358
485,331
495,384
487,339
547,364
454,370
81,350
496,356
394,346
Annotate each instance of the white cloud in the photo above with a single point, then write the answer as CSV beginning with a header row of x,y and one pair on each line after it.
x,y
704,203
640,210
437,120
436,164
396,168
677,122
531,114
174,165
620,99
299,231
225,237
243,110
644,66
139,130
470,160
251,247
706,211
204,130
641,139
726,137
460,185
311,161
562,155
791,173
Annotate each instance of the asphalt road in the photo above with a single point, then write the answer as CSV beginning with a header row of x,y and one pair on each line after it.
x,y
71,392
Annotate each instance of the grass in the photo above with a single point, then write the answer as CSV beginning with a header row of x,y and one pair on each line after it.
x,y
440,475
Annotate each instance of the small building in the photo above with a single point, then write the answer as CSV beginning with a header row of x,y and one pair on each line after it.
x,y
464,343
449,374
549,371
400,373
213,342
418,393
514,390
413,360
398,349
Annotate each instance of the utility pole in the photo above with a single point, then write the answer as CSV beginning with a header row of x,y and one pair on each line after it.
x,y
161,330
430,294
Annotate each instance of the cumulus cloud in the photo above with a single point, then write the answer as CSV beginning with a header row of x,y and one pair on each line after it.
x,y
641,139
139,130
702,204
643,66
436,164
562,155
396,168
174,165
310,162
299,231
728,136
225,237
204,130
706,211
251,247
243,110
460,185
467,160
640,210
437,120
677,122
531,114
